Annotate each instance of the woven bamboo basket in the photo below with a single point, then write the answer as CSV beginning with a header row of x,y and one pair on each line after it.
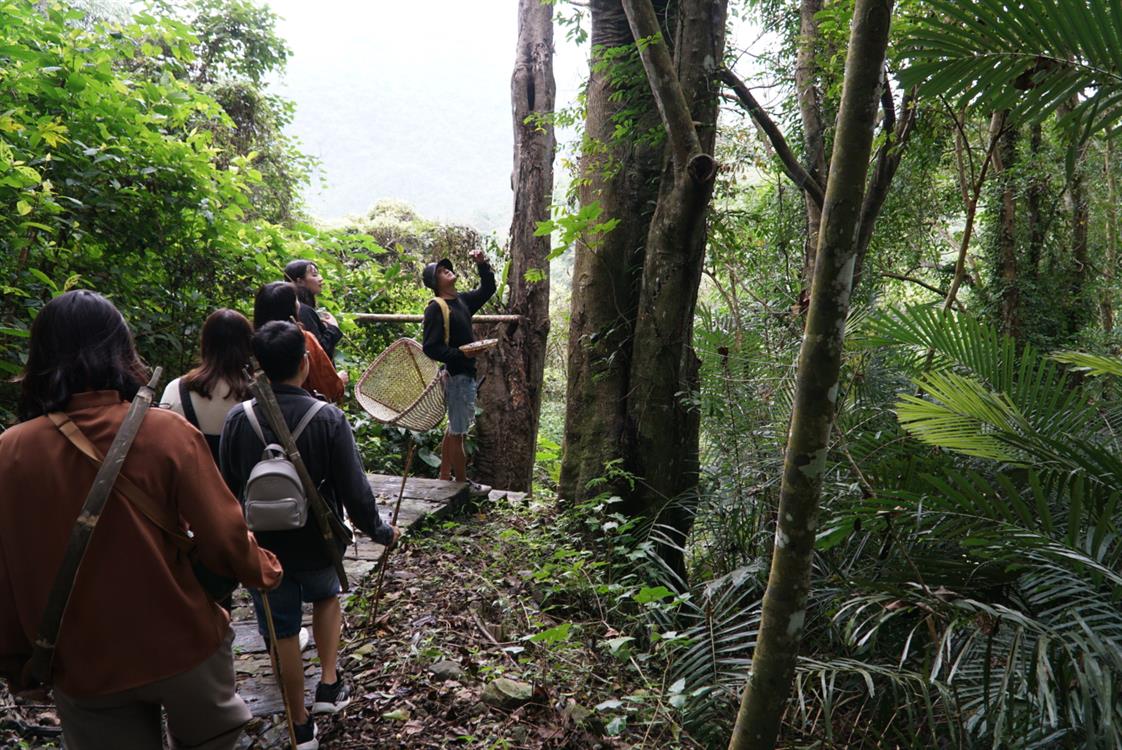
x,y
403,388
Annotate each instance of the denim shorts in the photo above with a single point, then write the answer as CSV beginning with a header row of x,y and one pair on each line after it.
x,y
459,395
296,587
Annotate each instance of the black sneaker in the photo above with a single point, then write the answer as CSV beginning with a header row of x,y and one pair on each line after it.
x,y
333,698
307,735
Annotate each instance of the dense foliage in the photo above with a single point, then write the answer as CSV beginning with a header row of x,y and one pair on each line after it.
x,y
966,590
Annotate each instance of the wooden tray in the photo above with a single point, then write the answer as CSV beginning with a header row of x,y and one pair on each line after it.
x,y
479,346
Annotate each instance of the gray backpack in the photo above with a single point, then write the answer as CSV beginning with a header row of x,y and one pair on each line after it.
x,y
274,495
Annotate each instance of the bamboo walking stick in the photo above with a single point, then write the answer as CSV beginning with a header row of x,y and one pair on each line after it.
x,y
276,666
373,618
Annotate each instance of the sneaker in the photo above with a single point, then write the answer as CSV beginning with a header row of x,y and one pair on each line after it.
x,y
332,698
307,736
303,638
475,489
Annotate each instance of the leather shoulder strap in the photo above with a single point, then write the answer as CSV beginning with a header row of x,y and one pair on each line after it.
x,y
158,513
447,313
43,650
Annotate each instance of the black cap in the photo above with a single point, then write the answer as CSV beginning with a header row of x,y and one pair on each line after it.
x,y
428,276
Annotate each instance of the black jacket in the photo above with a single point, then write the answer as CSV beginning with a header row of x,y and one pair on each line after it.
x,y
460,311
328,449
327,335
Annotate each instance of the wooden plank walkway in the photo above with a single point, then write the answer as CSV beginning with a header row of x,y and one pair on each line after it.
x,y
423,498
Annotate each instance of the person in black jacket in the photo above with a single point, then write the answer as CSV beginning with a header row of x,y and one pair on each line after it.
x,y
328,449
460,386
305,276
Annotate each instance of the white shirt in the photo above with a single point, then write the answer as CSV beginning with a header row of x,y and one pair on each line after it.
x,y
211,412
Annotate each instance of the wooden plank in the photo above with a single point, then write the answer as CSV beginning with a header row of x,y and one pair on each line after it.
x,y
386,488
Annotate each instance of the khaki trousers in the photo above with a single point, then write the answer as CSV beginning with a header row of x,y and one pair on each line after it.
x,y
204,711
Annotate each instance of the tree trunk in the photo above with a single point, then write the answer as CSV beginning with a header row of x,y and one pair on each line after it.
x,y
1035,205
1004,162
514,372
664,366
814,130
816,390
1106,304
620,174
1078,303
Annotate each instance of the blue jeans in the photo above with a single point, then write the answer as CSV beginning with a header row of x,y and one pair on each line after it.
x,y
297,586
459,395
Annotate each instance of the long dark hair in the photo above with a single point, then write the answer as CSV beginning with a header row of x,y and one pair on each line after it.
x,y
275,301
297,269
79,342
225,349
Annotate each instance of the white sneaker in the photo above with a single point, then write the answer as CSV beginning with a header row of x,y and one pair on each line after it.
x,y
303,638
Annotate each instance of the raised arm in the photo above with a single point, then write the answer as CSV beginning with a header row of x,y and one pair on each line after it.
x,y
478,297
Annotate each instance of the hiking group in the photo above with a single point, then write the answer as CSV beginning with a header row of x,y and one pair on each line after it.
x,y
131,625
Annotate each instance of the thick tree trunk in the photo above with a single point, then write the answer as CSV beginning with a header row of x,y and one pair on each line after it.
x,y
1106,304
1006,238
816,390
508,435
814,130
664,365
620,174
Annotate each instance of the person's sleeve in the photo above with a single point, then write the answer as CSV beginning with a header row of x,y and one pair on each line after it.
x,y
170,399
433,337
478,297
224,543
321,373
351,485
15,648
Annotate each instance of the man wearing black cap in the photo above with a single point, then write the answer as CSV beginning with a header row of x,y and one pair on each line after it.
x,y
460,367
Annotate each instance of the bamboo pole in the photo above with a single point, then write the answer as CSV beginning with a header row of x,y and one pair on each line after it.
x,y
367,318
373,617
275,658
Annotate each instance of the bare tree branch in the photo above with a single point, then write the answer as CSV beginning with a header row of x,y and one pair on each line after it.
x,y
896,133
791,166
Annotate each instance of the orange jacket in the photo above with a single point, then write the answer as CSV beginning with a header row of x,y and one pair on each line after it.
x,y
321,375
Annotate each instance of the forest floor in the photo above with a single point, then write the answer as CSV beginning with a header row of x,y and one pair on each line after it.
x,y
463,608
463,596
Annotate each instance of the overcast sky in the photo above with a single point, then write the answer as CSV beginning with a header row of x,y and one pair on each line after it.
x,y
409,100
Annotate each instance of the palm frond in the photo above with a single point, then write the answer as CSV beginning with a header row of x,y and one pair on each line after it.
x,y
1028,57
1091,364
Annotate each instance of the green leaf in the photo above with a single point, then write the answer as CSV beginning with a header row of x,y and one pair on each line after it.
x,y
648,595
556,634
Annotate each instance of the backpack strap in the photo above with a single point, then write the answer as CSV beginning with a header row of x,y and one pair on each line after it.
x,y
308,415
251,416
443,305
188,407
41,663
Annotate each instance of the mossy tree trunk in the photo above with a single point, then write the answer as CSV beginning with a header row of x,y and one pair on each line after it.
x,y
508,435
619,173
664,366
816,391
